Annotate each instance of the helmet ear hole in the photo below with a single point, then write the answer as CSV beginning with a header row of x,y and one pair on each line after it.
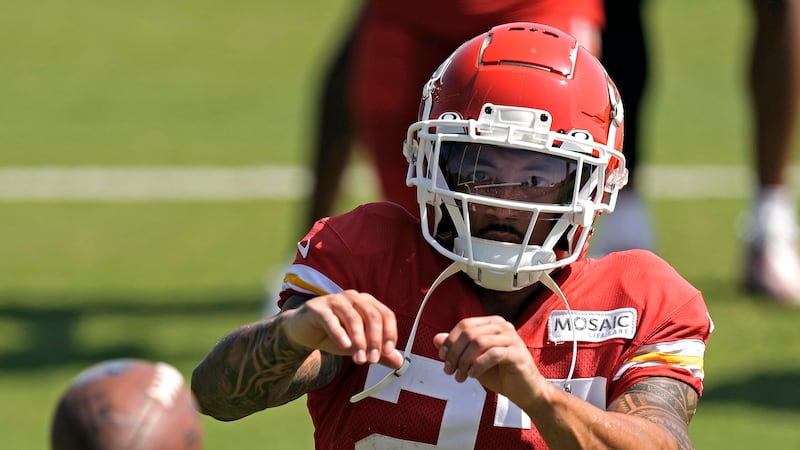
x,y
563,241
445,229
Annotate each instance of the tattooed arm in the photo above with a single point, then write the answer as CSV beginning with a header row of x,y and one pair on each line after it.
x,y
654,413
256,366
276,360
665,401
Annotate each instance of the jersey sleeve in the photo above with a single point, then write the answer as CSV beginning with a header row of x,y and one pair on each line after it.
x,y
673,348
350,251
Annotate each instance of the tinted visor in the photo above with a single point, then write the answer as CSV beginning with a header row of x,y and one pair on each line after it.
x,y
506,173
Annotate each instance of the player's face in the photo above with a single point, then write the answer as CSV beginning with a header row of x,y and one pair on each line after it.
x,y
509,174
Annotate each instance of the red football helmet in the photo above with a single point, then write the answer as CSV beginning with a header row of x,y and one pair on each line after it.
x,y
518,150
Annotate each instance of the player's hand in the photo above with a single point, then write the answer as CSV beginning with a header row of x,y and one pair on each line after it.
x,y
490,350
349,323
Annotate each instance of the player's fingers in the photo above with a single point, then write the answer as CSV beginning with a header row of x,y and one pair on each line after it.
x,y
337,321
372,316
476,348
374,330
389,331
439,341
313,326
345,323
487,360
470,338
350,318
393,359
503,348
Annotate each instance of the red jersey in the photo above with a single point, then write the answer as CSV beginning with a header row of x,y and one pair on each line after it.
x,y
632,315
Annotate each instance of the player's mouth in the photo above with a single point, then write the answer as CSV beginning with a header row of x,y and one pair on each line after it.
x,y
500,232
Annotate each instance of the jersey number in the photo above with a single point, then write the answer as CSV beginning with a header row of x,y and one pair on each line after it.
x,y
462,413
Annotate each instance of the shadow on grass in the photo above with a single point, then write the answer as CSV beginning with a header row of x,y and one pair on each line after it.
x,y
773,390
49,332
775,384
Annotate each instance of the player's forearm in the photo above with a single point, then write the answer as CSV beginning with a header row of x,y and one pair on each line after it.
x,y
567,422
250,369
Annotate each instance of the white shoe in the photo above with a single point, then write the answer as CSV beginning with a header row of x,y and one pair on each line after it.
x,y
772,259
628,227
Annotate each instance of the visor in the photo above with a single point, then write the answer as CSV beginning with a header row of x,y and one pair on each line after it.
x,y
509,174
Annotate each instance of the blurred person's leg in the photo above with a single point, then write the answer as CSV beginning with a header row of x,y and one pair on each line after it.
x,y
772,262
624,54
385,90
333,135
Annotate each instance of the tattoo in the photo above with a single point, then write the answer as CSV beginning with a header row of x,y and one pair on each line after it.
x,y
665,401
256,367
268,357
315,373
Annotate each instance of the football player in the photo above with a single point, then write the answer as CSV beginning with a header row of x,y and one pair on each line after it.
x,y
481,324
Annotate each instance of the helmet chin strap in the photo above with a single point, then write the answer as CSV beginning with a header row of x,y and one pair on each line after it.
x,y
510,258
450,270
446,273
548,281
505,255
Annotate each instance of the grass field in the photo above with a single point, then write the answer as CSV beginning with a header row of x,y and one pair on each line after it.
x,y
182,83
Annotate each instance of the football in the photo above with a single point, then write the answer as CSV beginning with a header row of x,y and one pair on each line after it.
x,y
127,404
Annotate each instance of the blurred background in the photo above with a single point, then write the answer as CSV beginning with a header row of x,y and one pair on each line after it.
x,y
154,176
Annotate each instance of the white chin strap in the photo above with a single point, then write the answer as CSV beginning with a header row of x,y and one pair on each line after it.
x,y
504,264
446,273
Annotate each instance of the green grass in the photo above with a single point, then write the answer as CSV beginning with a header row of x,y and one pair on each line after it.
x,y
181,82
697,108
192,83
162,245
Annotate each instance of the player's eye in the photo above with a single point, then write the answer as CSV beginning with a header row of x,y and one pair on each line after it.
x,y
539,181
481,177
